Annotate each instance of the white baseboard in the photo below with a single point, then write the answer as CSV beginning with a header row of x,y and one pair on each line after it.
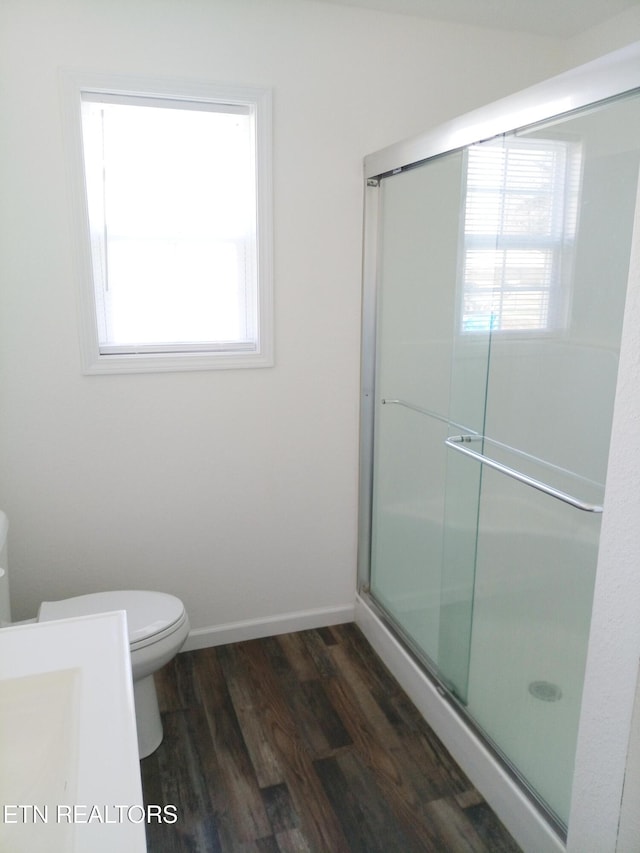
x,y
514,809
253,629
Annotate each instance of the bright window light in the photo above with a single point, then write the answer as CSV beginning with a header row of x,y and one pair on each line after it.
x,y
172,212
520,224
176,194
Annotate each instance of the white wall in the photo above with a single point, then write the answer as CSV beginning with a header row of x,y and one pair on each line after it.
x,y
629,827
234,490
618,31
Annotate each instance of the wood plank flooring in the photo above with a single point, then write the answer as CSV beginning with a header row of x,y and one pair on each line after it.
x,y
304,743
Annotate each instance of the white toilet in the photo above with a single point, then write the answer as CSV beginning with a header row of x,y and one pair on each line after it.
x,y
158,626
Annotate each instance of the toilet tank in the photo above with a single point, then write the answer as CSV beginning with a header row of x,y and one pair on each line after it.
x,y
5,603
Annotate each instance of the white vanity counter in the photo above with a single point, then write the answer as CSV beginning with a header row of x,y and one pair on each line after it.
x,y
69,769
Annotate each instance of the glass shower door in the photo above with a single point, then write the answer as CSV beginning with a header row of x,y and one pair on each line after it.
x,y
548,229
502,274
421,577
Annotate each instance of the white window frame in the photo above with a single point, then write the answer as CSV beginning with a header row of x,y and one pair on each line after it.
x,y
97,360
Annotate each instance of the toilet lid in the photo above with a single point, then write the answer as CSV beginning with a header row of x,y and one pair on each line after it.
x,y
149,614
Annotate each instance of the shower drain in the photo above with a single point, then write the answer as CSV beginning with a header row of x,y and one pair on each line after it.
x,y
545,690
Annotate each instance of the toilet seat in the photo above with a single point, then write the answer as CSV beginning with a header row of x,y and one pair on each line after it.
x,y
151,616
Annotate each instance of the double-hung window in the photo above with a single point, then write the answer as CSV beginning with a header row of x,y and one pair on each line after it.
x,y
519,230
175,231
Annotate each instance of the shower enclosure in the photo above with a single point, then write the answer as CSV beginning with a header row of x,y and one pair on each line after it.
x,y
497,255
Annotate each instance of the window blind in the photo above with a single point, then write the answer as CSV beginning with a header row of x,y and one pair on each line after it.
x,y
517,224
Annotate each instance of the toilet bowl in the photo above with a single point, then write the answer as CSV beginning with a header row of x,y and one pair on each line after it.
x,y
158,625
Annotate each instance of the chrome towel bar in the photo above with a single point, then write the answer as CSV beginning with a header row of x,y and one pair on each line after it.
x,y
458,442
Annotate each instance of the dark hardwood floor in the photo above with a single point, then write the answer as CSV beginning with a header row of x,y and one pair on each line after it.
x,y
305,742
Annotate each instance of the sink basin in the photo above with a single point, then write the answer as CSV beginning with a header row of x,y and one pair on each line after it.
x,y
38,745
68,745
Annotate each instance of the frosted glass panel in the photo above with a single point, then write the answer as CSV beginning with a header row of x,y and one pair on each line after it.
x,y
414,349
409,514
535,573
549,405
419,261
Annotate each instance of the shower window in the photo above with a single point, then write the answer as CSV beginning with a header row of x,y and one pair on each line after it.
x,y
520,222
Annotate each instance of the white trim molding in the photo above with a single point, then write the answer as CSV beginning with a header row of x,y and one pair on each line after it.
x,y
271,626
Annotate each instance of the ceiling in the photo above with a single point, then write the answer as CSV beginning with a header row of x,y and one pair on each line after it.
x,y
562,18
